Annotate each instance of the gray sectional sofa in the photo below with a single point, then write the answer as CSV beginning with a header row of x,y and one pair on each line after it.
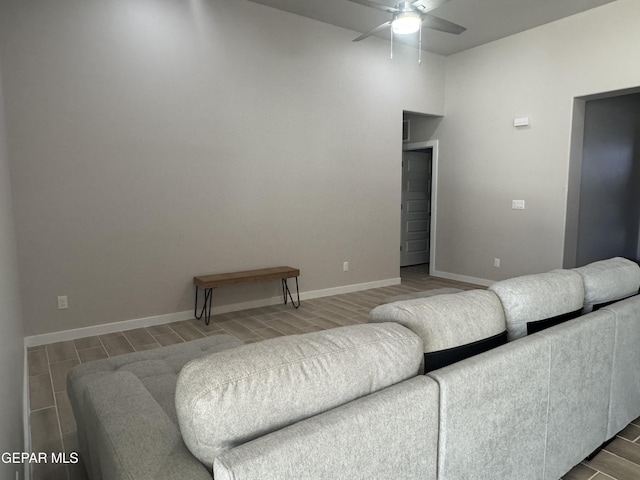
x,y
352,403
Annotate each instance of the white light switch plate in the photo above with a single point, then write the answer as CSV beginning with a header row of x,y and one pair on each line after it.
x,y
517,204
63,302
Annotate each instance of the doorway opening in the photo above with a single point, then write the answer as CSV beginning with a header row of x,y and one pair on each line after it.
x,y
417,219
603,203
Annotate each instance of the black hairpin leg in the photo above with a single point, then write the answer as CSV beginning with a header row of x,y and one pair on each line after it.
x,y
286,291
206,306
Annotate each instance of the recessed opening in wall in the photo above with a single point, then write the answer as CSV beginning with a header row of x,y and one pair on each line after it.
x,y
603,204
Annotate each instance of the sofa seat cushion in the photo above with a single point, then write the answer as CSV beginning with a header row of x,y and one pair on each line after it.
x,y
157,369
608,281
229,398
452,326
534,302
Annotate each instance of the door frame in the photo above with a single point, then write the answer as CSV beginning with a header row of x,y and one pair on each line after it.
x,y
433,145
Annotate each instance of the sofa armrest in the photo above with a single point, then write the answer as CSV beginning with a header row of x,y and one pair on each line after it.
x,y
389,434
235,396
130,436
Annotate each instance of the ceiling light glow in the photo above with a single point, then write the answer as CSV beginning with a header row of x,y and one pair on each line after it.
x,y
405,23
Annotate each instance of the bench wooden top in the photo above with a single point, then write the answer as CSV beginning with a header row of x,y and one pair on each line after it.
x,y
262,275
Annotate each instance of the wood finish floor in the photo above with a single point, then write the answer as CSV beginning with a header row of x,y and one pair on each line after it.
x,y
53,427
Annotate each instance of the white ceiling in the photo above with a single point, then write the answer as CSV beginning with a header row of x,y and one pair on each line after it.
x,y
485,20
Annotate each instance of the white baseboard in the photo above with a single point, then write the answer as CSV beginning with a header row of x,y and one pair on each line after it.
x,y
64,335
357,287
46,338
462,278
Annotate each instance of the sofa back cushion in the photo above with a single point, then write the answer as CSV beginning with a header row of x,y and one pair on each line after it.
x,y
452,326
534,302
229,398
608,281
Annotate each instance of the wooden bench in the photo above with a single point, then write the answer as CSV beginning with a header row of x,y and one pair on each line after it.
x,y
209,282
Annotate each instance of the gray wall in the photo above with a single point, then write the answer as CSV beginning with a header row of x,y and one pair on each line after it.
x,y
485,163
609,216
11,338
151,141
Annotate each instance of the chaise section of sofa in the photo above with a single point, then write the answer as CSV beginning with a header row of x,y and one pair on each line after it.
x,y
341,403
125,411
130,436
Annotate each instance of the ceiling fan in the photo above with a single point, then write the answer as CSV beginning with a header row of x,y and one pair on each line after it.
x,y
410,17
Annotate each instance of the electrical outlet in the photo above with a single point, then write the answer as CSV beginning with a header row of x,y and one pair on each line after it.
x,y
345,267
496,262
63,303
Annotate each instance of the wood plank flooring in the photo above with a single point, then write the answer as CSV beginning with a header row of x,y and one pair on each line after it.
x,y
53,427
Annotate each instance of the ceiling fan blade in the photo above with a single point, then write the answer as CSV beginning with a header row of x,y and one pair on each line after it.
x,y
373,31
425,6
441,24
368,3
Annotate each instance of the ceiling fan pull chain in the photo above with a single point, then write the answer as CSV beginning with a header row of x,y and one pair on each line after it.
x,y
392,44
420,45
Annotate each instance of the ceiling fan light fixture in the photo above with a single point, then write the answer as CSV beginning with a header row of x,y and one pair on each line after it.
x,y
405,23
